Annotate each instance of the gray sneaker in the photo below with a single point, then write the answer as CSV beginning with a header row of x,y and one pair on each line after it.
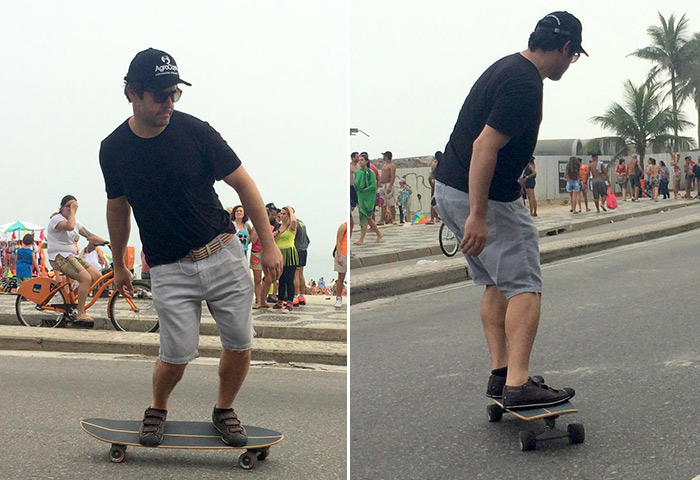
x,y
534,394
230,428
152,427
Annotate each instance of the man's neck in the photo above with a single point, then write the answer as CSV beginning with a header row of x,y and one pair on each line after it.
x,y
540,60
142,130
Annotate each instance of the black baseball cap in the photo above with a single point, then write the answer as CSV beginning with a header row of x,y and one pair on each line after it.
x,y
565,24
388,154
154,69
271,206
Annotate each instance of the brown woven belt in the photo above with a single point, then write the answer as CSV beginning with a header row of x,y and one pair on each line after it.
x,y
211,247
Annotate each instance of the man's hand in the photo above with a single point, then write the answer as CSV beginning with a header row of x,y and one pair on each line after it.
x,y
340,259
474,239
271,259
123,281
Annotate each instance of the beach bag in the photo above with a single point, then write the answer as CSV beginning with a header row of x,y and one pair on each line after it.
x,y
611,200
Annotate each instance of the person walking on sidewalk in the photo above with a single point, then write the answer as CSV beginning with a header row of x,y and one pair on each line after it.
x,y
599,175
676,167
689,177
583,177
573,184
365,183
163,164
340,262
621,178
528,181
284,237
477,194
664,175
634,173
653,172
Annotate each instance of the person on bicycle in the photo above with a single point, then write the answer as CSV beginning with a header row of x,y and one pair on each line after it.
x,y
163,163
63,253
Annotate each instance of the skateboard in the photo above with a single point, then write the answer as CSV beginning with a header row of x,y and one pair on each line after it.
x,y
528,439
182,435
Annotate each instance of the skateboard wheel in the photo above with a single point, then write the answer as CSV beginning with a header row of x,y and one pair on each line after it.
x,y
247,461
117,454
577,434
262,454
527,441
495,413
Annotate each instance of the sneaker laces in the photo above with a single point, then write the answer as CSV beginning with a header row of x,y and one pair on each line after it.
x,y
537,382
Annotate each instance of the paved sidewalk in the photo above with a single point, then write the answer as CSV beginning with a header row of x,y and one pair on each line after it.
x,y
403,242
315,333
406,268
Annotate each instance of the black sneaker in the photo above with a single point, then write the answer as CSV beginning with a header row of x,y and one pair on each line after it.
x,y
534,394
152,427
495,386
230,428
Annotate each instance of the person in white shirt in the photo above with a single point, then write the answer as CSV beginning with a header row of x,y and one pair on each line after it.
x,y
63,253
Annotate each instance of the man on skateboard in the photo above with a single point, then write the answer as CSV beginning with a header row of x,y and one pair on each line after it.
x,y
163,164
477,193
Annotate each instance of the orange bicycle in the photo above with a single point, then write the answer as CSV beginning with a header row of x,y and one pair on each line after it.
x,y
44,302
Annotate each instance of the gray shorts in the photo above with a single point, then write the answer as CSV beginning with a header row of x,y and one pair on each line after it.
x,y
223,281
340,268
511,258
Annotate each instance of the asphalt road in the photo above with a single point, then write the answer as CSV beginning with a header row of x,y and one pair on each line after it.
x,y
621,327
43,398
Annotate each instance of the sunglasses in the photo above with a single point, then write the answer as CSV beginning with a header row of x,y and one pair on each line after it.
x,y
162,96
575,57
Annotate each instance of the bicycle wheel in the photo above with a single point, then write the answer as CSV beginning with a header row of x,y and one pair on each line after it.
x,y
143,319
30,314
448,241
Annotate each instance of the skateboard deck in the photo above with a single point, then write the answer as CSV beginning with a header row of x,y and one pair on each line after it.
x,y
181,435
528,439
531,414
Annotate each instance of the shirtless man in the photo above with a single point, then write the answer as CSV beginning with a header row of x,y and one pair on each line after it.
x,y
599,173
583,176
653,174
354,158
634,174
387,177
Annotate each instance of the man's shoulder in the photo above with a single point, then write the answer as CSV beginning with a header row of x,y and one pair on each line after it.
x,y
116,134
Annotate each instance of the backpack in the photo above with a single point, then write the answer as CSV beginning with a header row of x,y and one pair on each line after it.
x,y
301,239
696,170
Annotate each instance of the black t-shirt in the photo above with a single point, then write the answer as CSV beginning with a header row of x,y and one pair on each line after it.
x,y
508,98
169,182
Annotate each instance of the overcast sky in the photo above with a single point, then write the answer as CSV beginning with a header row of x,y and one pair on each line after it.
x,y
413,64
270,76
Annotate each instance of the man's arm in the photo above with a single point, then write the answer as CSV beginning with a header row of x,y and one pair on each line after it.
x,y
483,163
271,257
119,226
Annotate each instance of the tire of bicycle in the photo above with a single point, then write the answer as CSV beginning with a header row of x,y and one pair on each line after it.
x,y
124,319
450,252
29,315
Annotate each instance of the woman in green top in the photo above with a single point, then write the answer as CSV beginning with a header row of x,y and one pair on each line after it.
x,y
366,186
284,238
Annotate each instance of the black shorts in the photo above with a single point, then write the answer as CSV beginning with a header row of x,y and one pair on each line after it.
x,y
302,258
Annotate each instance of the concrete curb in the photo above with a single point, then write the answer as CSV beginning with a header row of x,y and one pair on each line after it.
x,y
68,340
544,231
445,272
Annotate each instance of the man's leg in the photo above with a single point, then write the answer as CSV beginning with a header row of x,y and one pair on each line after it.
x,y
521,322
233,368
165,377
493,320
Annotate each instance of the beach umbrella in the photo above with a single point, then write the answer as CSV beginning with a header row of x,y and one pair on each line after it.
x,y
18,227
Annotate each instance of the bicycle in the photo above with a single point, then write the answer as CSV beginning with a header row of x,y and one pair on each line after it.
x,y
448,241
45,302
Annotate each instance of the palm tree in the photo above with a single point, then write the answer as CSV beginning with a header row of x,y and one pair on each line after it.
x,y
641,123
689,75
666,51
